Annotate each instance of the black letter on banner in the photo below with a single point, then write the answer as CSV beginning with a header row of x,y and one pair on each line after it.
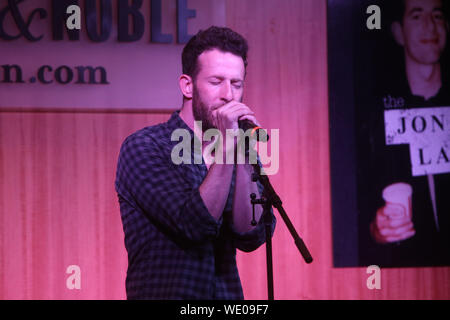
x,y
92,71
183,13
442,154
58,75
59,17
138,21
41,75
156,17
20,22
424,124
7,73
105,20
440,123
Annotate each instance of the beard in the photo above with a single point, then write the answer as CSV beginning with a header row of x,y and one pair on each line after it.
x,y
201,111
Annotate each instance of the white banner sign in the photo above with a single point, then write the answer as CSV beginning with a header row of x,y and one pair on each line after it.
x,y
427,131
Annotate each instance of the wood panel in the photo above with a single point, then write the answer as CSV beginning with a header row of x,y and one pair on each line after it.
x,y
58,203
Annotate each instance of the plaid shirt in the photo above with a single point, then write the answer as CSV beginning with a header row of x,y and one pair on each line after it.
x,y
176,249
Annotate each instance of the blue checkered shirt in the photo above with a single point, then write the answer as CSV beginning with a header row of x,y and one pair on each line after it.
x,y
176,249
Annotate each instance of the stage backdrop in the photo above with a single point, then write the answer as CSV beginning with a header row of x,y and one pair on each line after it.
x,y
59,209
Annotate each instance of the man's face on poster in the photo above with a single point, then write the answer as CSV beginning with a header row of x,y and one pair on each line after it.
x,y
423,31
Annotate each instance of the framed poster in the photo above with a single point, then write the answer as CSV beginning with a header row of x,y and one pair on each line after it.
x,y
389,81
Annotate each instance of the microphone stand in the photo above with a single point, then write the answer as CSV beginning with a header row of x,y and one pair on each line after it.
x,y
268,199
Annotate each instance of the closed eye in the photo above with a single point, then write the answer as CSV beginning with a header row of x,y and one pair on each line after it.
x,y
438,16
237,84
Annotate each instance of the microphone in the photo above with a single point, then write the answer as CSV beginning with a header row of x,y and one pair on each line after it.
x,y
257,132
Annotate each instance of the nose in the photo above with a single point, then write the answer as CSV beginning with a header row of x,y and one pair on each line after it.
x,y
226,91
430,23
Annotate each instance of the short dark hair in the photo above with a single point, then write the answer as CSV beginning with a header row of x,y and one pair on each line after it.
x,y
399,6
221,38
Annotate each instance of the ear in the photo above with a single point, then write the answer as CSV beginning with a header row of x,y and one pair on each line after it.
x,y
397,32
186,86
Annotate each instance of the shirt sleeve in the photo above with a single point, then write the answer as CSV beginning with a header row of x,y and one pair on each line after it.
x,y
252,240
147,179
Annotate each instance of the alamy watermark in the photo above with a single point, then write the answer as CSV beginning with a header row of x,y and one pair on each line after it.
x,y
374,280
246,151
73,281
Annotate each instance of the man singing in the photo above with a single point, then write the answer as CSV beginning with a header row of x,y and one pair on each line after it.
x,y
183,223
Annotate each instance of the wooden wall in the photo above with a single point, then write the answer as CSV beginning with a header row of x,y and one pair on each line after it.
x,y
58,206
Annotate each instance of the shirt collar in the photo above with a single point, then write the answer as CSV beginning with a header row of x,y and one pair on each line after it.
x,y
175,122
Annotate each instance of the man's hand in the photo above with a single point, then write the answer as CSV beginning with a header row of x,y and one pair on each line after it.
x,y
227,116
391,224
215,188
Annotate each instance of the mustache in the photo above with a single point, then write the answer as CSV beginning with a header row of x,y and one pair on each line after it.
x,y
215,107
